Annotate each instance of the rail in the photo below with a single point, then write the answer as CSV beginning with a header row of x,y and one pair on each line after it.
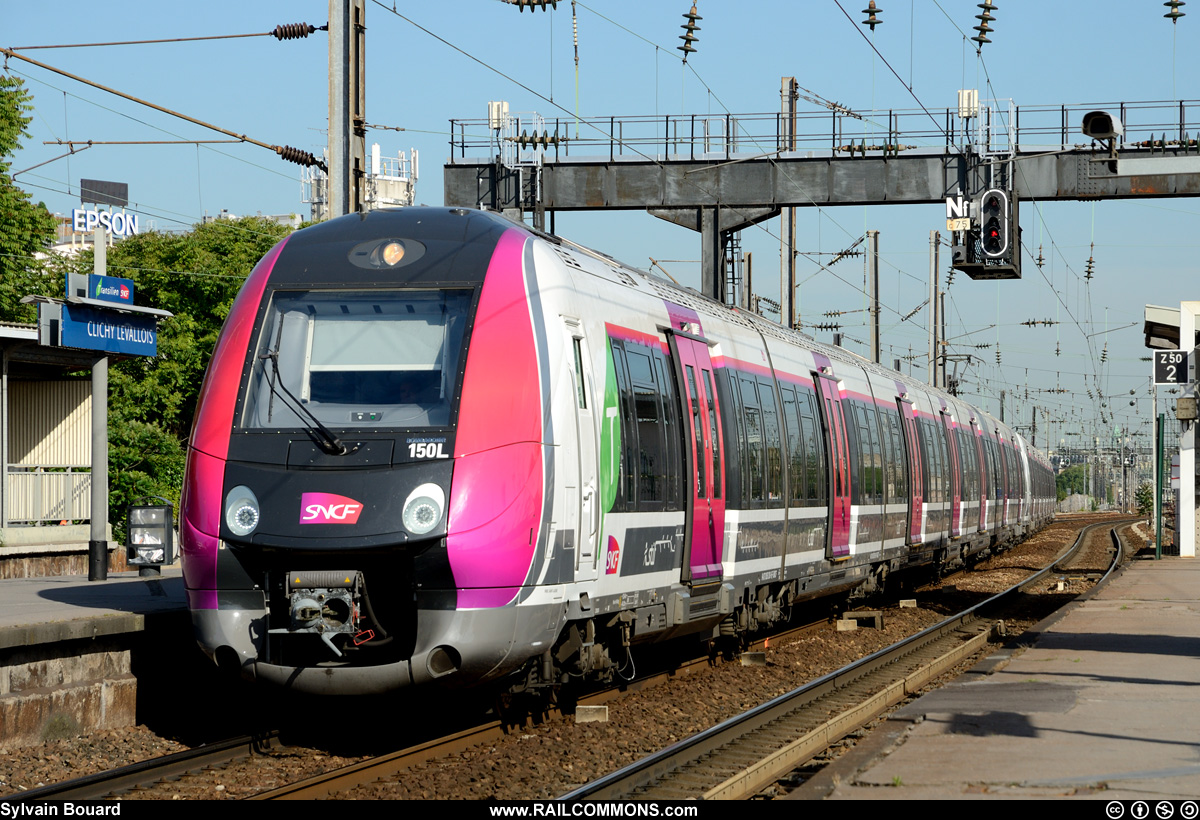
x,y
729,762
999,127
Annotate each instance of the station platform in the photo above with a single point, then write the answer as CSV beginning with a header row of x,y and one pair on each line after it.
x,y
1100,701
44,610
78,656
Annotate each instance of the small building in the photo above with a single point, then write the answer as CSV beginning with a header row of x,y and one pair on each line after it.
x,y
46,449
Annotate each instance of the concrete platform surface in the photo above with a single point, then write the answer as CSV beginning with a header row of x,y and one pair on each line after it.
x,y
1104,704
45,610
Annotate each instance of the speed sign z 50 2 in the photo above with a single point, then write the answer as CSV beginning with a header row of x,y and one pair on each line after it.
x,y
1170,366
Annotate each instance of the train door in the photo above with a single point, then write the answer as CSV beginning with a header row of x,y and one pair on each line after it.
x,y
977,436
1004,520
839,466
706,501
955,476
916,492
587,502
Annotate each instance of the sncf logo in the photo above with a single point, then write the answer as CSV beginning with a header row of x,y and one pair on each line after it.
x,y
327,508
613,558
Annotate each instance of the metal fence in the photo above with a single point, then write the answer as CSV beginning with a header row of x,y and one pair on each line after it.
x,y
48,494
999,126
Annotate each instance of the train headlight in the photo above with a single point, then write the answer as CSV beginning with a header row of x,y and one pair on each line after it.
x,y
391,253
423,509
241,510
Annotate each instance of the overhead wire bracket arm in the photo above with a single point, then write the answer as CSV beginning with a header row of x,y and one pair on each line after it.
x,y
290,154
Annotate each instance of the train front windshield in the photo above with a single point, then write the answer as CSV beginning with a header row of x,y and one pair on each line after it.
x,y
357,359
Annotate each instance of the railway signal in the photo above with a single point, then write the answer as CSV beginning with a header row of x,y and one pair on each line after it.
x,y
987,241
994,216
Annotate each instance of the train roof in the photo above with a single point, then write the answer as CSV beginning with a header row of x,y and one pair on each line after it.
x,y
443,247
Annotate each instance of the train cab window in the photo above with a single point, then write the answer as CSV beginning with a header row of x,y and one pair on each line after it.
x,y
357,359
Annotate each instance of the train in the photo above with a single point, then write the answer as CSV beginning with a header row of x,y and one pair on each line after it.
x,y
438,446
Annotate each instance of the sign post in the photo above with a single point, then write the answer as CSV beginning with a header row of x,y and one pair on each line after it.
x,y
98,314
98,540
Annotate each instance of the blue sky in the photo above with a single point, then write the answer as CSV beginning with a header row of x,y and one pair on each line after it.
x,y
1041,54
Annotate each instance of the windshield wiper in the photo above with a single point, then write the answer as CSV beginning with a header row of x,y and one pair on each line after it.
x,y
325,437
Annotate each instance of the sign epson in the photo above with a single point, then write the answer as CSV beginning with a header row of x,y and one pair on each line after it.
x,y
118,224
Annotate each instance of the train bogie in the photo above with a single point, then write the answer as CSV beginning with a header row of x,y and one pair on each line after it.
x,y
436,446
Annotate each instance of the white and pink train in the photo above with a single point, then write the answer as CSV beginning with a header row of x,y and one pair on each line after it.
x,y
436,445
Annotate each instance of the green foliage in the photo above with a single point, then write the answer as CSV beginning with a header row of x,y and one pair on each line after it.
x,y
25,229
1143,496
1071,481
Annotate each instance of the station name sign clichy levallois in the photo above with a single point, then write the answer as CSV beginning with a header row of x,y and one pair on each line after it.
x,y
91,329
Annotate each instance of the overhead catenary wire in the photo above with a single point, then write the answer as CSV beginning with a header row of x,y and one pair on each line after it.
x,y
545,98
142,122
286,31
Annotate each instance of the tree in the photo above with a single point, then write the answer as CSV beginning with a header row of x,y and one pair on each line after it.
x,y
25,229
1071,481
1143,496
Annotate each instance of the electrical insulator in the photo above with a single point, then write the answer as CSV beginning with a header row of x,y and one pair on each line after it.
x,y
532,4
983,28
689,35
1041,260
298,156
1104,353
1174,14
1090,267
871,10
293,31
535,139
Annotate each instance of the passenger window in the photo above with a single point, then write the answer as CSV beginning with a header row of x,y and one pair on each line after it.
x,y
580,387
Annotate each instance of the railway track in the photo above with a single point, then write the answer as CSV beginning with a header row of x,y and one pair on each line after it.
x,y
140,775
144,775
738,758
961,637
